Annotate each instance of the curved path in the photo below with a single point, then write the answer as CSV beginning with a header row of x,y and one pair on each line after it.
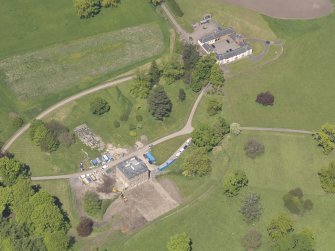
x,y
185,130
64,102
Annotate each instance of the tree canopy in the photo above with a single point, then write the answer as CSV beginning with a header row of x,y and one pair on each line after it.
x,y
92,203
265,98
251,207
172,71
295,202
87,8
141,87
190,56
99,106
216,77
253,148
179,242
160,105
233,182
251,240
202,72
327,178
154,74
303,241
280,227
325,137
196,163
11,170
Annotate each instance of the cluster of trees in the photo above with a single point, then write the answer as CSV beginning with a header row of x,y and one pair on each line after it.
x,y
253,148
233,182
99,106
30,218
179,242
50,135
251,207
207,71
327,178
282,233
196,162
210,136
90,8
265,98
147,86
325,137
295,202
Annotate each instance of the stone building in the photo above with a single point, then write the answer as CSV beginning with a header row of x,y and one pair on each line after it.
x,y
132,172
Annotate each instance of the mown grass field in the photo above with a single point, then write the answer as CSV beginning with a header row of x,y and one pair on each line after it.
x,y
55,69
66,160
50,53
301,80
214,221
163,151
245,21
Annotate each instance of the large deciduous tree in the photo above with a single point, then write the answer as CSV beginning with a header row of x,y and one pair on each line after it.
x,y
87,8
172,71
99,106
280,227
327,178
190,56
216,77
252,240
253,148
233,182
325,137
11,170
251,207
154,74
160,105
141,87
179,242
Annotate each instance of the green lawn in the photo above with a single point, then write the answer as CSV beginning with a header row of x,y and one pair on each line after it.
x,y
164,150
242,20
66,160
301,80
213,220
50,53
31,25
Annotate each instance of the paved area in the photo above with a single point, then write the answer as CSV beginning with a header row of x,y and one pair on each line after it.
x,y
287,9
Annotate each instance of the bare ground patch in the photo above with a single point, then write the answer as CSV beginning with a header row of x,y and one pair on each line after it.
x,y
145,203
171,187
287,9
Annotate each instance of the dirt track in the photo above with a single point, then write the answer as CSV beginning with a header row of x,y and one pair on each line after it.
x,y
287,9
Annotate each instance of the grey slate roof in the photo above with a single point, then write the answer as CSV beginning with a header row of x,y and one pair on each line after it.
x,y
217,34
132,167
233,53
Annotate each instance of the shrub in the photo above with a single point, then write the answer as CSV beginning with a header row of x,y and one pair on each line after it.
x,y
17,122
233,182
66,139
179,242
181,95
133,133
139,118
265,98
99,106
213,107
124,117
251,207
85,227
196,86
325,137
132,127
235,128
87,8
253,148
92,203
251,240
116,124
49,143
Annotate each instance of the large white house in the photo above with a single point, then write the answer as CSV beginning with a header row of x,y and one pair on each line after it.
x,y
226,44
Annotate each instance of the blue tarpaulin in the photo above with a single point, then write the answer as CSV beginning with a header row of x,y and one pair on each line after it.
x,y
150,157
166,165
